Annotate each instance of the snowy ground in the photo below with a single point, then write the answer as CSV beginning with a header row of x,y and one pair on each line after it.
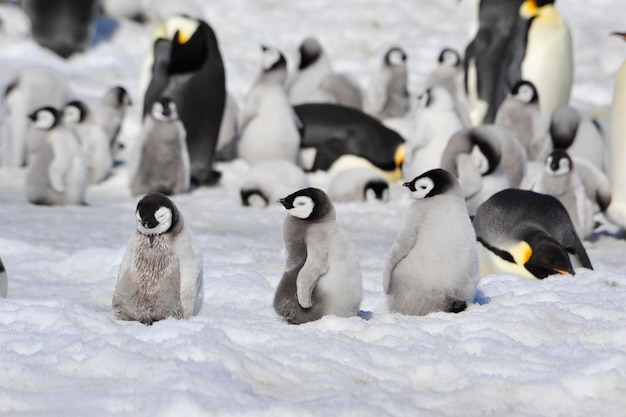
x,y
525,348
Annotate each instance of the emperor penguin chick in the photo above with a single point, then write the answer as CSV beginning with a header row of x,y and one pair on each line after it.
x,y
322,275
92,137
160,162
270,179
57,174
388,94
358,184
433,264
161,271
268,124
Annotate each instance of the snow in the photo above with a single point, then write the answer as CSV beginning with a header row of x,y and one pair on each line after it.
x,y
524,348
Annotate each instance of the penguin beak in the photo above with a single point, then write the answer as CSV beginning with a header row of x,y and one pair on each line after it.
x,y
264,48
285,203
620,34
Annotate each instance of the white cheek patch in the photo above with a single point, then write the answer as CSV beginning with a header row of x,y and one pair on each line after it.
x,y
525,93
396,58
302,207
423,186
479,160
71,115
45,120
450,59
163,215
157,111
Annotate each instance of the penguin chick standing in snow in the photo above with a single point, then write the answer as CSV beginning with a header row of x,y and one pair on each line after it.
x,y
161,272
111,113
322,274
57,174
528,234
388,94
4,281
160,162
93,139
269,125
433,265
521,114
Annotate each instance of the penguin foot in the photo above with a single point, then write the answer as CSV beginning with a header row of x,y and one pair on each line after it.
x,y
455,306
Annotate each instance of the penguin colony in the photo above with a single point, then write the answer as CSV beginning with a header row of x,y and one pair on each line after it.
x,y
503,173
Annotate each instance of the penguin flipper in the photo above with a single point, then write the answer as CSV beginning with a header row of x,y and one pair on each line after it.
x,y
400,249
314,267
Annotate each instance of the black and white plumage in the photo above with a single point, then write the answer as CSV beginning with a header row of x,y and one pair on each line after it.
x,y
187,67
521,114
322,274
269,180
161,272
4,281
432,265
268,124
92,137
57,174
160,158
316,82
528,234
358,184
388,93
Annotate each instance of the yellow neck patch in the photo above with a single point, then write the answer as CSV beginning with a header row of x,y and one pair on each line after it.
x,y
529,9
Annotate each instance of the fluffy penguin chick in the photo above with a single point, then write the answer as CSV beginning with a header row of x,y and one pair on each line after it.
x,y
528,234
57,174
269,125
322,274
358,184
388,94
270,179
92,137
4,281
161,272
160,162
433,265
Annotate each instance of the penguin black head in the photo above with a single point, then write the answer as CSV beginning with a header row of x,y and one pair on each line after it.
x,y
272,59
449,58
46,118
118,97
546,256
189,50
525,92
559,163
253,198
156,214
395,57
164,109
432,183
310,51
75,112
564,126
307,204
375,190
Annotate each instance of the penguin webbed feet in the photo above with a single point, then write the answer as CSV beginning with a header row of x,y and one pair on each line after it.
x,y
455,306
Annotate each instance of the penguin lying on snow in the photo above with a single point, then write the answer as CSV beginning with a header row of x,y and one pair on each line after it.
x,y
432,265
341,137
527,234
161,272
58,173
322,274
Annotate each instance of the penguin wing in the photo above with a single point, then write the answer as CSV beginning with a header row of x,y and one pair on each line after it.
x,y
61,162
190,267
314,267
249,111
400,249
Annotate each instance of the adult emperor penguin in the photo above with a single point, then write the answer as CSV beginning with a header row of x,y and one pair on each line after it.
x,y
92,137
521,114
269,180
528,234
358,184
437,120
268,124
322,274
419,277
161,272
580,135
31,89
160,159
316,82
548,56
110,113
340,137
617,147
4,281
57,174
188,68
63,26
486,78
388,93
